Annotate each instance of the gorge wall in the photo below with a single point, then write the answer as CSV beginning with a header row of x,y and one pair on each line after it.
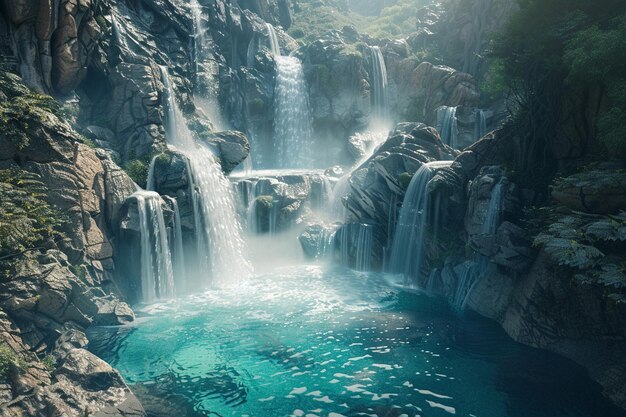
x,y
103,61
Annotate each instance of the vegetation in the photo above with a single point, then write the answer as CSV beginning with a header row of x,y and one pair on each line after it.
x,y
312,19
137,170
592,247
550,55
26,218
18,113
9,361
596,57
49,362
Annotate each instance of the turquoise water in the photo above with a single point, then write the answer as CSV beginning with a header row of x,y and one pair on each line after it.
x,y
318,341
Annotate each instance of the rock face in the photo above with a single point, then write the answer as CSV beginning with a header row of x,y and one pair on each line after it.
x,y
68,284
543,300
422,87
81,383
340,73
462,30
377,188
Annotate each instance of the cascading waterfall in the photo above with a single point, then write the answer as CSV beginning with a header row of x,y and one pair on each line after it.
x,y
447,125
379,84
292,118
157,277
218,231
408,242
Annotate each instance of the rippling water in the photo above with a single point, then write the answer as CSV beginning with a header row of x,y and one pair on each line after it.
x,y
313,341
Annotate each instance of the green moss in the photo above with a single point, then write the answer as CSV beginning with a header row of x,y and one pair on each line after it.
x,y
404,180
163,158
101,21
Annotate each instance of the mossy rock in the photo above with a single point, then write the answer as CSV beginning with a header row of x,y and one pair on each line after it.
x,y
404,180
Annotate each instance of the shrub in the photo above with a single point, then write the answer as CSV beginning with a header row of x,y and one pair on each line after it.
x,y
9,361
137,170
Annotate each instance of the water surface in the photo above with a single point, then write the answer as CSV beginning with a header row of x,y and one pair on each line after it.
x,y
320,341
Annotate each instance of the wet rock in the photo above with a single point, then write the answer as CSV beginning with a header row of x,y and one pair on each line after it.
x,y
316,240
360,246
377,188
233,148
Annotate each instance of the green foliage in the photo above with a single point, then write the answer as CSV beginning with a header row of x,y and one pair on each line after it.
x,y
9,361
18,113
593,247
552,53
137,170
494,84
597,56
312,19
49,362
101,21
26,218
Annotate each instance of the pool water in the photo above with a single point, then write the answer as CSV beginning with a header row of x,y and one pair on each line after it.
x,y
326,341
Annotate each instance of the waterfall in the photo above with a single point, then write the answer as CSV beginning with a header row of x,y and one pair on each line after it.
x,y
447,125
198,26
492,217
379,84
273,40
357,245
157,278
479,266
177,238
481,123
408,242
218,232
292,119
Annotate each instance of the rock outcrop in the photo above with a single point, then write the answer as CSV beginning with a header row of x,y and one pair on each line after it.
x,y
67,284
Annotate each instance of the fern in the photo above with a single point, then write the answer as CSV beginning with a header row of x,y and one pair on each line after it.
x,y
26,218
573,242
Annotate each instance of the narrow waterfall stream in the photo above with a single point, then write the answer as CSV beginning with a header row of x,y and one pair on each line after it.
x,y
157,276
218,232
408,242
379,84
447,125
